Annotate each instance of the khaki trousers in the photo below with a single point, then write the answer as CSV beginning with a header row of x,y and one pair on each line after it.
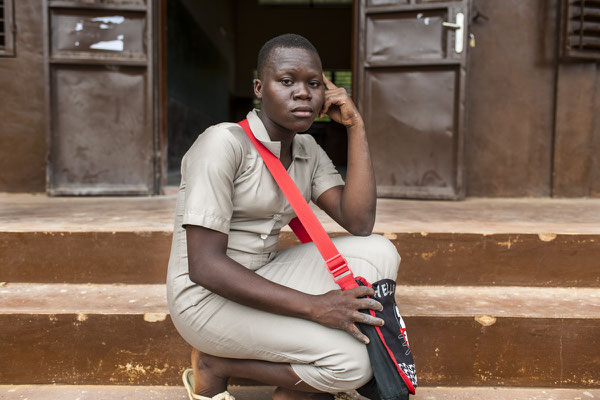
x,y
327,359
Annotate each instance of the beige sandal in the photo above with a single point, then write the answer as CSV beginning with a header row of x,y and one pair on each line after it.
x,y
352,395
188,382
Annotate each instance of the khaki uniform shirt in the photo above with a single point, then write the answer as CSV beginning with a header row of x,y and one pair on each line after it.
x,y
225,186
228,188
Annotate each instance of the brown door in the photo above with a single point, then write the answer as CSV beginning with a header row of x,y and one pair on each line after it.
x,y
410,71
102,130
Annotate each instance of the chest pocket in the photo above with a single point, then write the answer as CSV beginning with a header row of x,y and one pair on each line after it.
x,y
256,194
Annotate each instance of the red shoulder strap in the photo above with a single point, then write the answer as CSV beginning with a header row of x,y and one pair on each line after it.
x,y
311,227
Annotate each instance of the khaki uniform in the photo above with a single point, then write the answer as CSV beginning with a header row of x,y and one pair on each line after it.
x,y
225,186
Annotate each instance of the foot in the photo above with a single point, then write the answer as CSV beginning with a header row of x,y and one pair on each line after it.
x,y
288,394
207,381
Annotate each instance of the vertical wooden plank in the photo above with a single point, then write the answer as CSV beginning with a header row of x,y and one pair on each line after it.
x,y
572,170
595,145
22,140
47,94
160,28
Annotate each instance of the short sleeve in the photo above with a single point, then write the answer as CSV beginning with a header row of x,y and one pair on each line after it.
x,y
325,176
208,170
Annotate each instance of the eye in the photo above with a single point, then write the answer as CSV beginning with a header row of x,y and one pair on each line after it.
x,y
315,84
286,82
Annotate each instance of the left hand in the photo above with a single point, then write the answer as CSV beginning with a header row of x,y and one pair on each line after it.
x,y
339,106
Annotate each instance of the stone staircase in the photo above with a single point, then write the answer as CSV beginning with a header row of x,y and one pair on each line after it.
x,y
501,297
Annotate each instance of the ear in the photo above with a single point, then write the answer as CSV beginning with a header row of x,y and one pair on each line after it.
x,y
258,88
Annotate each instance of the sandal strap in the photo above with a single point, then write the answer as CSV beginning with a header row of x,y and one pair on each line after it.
x,y
343,396
188,379
223,396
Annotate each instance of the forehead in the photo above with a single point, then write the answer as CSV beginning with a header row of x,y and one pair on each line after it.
x,y
285,58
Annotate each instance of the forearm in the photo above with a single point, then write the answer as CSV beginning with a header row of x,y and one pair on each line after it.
x,y
359,197
210,267
335,309
227,278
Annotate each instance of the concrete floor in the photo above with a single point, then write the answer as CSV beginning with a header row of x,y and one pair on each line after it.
x,y
39,213
64,392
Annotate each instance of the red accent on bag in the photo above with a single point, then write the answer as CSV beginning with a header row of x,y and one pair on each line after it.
x,y
299,230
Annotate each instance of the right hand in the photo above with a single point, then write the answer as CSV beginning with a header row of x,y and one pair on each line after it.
x,y
339,309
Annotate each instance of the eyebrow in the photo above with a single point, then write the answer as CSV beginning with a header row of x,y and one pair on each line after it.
x,y
295,69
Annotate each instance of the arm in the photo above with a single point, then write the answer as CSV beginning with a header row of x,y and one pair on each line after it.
x,y
210,267
353,205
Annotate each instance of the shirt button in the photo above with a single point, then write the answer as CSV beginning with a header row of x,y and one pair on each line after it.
x,y
264,236
277,217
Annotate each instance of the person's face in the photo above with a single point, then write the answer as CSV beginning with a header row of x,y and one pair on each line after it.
x,y
291,88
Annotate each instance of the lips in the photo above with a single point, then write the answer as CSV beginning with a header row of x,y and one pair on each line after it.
x,y
302,111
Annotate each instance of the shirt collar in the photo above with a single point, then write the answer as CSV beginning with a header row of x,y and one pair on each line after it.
x,y
260,132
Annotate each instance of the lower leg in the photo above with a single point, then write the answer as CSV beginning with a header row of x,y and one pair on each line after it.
x,y
206,382
211,374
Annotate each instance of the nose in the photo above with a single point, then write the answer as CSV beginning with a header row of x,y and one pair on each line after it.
x,y
302,92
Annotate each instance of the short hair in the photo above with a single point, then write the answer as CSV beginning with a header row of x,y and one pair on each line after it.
x,y
287,40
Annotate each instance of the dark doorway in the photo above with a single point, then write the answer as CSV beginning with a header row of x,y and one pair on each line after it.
x,y
211,57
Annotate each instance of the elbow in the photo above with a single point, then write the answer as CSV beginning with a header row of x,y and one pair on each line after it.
x,y
196,274
362,229
359,223
361,232
195,277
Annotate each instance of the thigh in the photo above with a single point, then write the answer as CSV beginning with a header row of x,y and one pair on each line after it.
x,y
237,331
227,329
302,267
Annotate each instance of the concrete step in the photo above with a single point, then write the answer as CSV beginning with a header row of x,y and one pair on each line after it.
x,y
460,336
505,242
64,392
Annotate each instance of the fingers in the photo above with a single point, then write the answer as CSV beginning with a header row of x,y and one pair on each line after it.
x,y
369,304
335,96
328,83
358,335
362,291
368,319
345,309
363,319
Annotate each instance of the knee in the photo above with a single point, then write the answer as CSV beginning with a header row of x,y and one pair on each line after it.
x,y
378,256
386,256
356,372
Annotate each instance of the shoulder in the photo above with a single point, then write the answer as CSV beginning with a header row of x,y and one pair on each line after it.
x,y
224,141
222,135
310,148
308,143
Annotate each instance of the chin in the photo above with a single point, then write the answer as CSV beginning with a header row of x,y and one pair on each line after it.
x,y
303,126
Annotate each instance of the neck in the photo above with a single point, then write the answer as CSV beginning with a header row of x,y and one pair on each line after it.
x,y
276,132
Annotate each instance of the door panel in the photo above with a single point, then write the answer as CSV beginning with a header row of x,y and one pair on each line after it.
x,y
410,89
387,2
103,135
395,119
421,32
85,33
100,140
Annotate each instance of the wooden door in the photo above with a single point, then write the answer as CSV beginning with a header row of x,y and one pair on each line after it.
x,y
103,135
410,72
